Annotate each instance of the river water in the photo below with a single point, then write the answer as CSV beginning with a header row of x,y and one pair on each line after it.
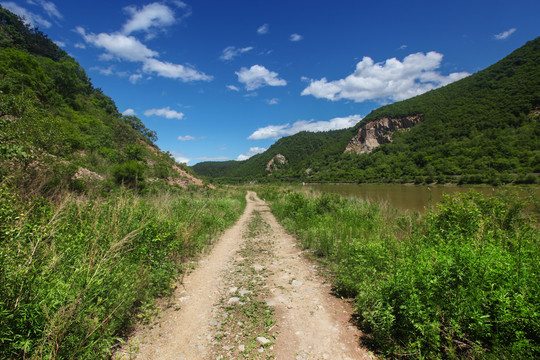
x,y
401,197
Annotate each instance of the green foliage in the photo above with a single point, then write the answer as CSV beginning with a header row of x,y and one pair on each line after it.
x,y
15,33
138,125
74,274
130,173
50,112
461,281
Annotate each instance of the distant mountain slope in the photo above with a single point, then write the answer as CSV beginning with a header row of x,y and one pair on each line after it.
x,y
481,129
57,130
302,151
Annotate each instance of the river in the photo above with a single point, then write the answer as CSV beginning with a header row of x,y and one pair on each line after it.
x,y
401,197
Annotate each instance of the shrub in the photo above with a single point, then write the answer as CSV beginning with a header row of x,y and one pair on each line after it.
x,y
129,173
460,281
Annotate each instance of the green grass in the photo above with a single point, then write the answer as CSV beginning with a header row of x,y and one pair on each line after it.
x,y
76,274
461,281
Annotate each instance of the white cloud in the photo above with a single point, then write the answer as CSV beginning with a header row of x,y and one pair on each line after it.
x,y
29,17
119,46
505,34
80,46
277,131
129,112
392,80
174,71
187,138
403,47
123,46
165,112
150,16
134,78
263,29
179,157
252,151
104,71
230,52
233,88
258,76
50,9
273,101
60,43
296,37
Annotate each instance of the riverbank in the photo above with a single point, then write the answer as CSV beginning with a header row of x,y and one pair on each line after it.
x,y
460,281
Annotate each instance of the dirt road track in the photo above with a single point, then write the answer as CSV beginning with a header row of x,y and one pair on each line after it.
x,y
312,324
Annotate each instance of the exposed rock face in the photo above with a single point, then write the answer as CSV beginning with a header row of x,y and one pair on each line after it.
x,y
186,178
380,132
84,173
275,162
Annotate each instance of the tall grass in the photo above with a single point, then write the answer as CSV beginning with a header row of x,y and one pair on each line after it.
x,y
461,281
73,274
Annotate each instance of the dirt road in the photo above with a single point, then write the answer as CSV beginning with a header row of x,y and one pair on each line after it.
x,y
254,296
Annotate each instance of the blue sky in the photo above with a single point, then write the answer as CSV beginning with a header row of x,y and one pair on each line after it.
x,y
222,80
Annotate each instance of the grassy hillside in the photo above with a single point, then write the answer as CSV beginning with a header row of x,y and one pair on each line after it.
x,y
481,129
91,232
57,129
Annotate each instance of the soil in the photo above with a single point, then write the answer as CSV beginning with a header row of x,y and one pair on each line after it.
x,y
254,296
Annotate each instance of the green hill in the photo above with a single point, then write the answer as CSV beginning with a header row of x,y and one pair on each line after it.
x,y
83,258
58,131
481,129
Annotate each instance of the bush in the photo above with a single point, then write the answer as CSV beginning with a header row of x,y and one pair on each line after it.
x,y
129,173
461,281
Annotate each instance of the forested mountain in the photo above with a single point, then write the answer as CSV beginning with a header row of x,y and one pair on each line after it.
x,y
57,130
481,129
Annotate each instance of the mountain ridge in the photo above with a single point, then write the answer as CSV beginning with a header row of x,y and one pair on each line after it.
x,y
480,129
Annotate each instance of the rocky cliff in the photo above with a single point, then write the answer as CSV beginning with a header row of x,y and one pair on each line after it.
x,y
275,163
380,132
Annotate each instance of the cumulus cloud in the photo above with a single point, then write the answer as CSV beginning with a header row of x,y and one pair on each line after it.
x,y
392,80
149,17
29,17
230,52
165,112
174,71
187,138
296,37
273,101
505,34
277,131
263,29
258,76
124,46
252,151
129,112
118,46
